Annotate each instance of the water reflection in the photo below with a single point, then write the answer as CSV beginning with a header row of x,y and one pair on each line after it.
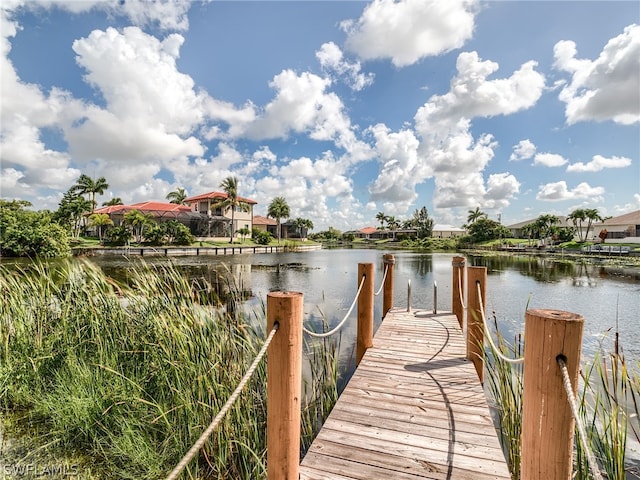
x,y
604,295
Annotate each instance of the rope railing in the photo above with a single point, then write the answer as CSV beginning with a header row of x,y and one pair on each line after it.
x,y
487,333
236,393
464,307
384,277
342,322
566,380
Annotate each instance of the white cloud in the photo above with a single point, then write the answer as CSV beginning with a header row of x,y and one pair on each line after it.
x,y
598,162
455,157
407,30
606,88
332,61
500,188
473,95
524,150
400,170
166,14
549,160
558,191
151,108
633,205
301,105
318,189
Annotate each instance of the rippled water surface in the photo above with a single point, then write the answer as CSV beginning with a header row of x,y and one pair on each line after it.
x,y
605,296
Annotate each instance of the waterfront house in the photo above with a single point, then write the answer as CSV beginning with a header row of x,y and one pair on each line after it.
x,y
218,219
156,211
621,229
265,224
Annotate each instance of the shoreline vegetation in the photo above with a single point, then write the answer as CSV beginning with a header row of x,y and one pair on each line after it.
x,y
118,381
608,396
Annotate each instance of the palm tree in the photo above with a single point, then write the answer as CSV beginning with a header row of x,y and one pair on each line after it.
x,y
545,224
230,187
577,217
278,208
381,217
113,201
393,225
100,220
592,215
475,215
303,223
138,222
87,185
178,196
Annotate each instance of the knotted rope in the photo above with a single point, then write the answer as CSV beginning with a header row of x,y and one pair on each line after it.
x,y
203,438
341,324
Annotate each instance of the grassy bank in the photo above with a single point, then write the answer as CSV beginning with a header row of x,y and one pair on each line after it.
x,y
120,381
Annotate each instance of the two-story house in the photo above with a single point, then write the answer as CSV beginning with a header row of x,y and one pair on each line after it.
x,y
219,219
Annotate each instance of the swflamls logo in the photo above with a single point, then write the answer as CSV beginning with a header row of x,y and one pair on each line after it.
x,y
32,470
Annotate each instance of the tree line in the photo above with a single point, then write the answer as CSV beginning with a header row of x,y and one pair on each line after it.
x,y
44,233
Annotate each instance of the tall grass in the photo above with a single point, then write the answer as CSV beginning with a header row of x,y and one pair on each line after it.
x,y
123,379
609,400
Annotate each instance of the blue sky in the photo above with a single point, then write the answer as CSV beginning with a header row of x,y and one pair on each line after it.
x,y
344,108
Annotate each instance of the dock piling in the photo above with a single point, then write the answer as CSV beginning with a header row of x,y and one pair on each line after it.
x,y
387,296
475,328
547,422
284,385
457,307
365,310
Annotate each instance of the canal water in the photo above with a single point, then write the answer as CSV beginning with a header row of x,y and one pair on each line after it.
x,y
607,297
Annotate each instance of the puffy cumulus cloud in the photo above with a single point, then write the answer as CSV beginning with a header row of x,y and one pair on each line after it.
x,y
558,191
29,164
549,160
332,61
443,124
605,88
472,94
598,162
634,204
524,150
400,169
151,108
303,105
458,165
165,14
407,30
314,188
500,187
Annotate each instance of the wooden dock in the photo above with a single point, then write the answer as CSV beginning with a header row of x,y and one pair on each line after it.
x,y
413,409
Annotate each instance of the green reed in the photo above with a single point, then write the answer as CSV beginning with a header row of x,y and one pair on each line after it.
x,y
124,379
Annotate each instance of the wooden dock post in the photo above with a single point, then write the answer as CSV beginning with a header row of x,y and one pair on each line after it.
x,y
457,307
365,310
475,328
284,385
387,295
547,423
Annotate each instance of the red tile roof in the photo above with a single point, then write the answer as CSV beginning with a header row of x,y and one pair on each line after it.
x,y
259,220
368,230
161,207
218,195
149,207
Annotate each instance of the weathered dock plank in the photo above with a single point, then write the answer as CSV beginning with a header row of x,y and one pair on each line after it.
x,y
414,409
